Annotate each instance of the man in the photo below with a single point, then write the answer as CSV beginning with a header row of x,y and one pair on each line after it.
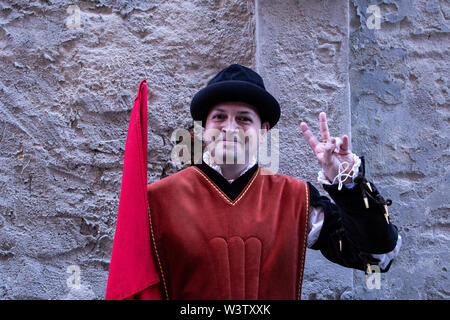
x,y
227,228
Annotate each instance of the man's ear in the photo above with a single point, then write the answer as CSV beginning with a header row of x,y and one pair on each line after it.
x,y
265,127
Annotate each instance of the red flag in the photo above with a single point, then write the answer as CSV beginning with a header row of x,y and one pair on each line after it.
x,y
132,272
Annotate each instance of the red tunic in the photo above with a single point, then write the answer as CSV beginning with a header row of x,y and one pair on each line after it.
x,y
207,246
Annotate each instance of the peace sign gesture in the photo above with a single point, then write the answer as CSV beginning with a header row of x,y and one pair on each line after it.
x,y
331,152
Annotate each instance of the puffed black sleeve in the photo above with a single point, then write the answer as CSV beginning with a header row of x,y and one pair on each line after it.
x,y
354,227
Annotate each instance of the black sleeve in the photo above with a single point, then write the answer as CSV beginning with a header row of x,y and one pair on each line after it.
x,y
351,232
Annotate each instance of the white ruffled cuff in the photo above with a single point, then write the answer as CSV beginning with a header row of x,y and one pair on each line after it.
x,y
341,176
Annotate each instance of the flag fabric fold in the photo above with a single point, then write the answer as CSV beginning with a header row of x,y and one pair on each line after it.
x,y
132,271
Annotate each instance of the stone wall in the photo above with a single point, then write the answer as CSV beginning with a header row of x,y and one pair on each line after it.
x,y
400,117
67,87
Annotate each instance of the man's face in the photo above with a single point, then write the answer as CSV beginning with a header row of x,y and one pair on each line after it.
x,y
233,132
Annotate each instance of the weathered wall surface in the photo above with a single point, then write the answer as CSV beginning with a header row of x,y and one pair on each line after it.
x,y
65,99
400,120
66,93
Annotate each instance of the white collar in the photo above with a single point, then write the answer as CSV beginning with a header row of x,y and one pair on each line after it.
x,y
207,159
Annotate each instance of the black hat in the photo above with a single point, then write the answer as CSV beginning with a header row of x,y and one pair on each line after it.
x,y
236,83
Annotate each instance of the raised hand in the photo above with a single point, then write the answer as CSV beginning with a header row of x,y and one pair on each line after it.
x,y
331,152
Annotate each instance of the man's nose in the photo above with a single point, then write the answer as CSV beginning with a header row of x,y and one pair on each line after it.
x,y
231,130
230,124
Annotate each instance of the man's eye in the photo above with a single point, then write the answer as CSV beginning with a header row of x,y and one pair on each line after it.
x,y
245,119
218,116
